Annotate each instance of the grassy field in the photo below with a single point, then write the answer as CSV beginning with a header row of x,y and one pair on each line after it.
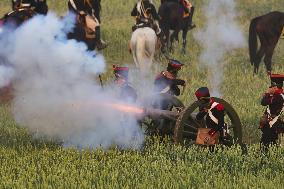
x,y
29,163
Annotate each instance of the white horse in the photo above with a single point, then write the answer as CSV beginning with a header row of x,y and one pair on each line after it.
x,y
143,45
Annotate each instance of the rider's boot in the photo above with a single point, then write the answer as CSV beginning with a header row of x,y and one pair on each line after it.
x,y
99,42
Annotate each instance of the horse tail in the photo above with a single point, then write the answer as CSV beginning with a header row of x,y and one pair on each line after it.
x,y
252,40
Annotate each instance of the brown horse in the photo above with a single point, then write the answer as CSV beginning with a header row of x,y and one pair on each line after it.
x,y
172,19
268,28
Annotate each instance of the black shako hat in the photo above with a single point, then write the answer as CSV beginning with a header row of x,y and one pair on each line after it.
x,y
202,92
277,80
174,65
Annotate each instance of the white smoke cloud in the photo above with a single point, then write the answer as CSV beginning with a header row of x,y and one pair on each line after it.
x,y
220,35
6,75
56,94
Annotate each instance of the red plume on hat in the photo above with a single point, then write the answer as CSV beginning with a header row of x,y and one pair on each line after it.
x,y
120,71
277,80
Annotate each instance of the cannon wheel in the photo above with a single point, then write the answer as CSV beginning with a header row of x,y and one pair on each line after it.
x,y
186,127
165,126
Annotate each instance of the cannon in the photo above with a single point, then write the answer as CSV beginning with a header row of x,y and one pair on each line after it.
x,y
183,127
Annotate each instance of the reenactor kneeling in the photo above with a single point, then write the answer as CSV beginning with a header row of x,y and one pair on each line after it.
x,y
214,114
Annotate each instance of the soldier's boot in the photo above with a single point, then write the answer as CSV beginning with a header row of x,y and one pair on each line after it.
x,y
99,42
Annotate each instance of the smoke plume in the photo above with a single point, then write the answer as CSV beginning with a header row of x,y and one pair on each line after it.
x,y
56,92
220,35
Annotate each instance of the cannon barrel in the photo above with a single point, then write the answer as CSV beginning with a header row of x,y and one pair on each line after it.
x,y
160,114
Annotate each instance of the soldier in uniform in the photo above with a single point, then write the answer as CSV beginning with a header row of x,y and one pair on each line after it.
x,y
88,10
272,123
39,6
145,13
214,113
127,92
167,81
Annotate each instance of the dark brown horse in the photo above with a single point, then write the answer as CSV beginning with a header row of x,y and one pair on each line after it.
x,y
172,19
268,28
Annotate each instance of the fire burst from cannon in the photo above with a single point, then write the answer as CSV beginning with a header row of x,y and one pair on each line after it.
x,y
126,108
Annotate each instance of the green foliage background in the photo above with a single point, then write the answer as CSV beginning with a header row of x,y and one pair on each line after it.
x,y
29,163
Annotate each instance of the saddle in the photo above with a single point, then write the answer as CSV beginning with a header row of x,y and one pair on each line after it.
x,y
142,23
185,14
89,23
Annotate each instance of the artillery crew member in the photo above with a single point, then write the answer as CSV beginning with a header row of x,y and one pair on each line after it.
x,y
146,15
89,11
127,92
214,112
272,122
167,82
39,6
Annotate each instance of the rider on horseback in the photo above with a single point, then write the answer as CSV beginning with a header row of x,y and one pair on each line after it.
x,y
188,11
146,15
86,9
39,6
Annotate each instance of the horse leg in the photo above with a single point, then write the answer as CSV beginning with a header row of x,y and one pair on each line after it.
x,y
174,36
167,39
258,58
171,40
260,53
268,56
184,34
